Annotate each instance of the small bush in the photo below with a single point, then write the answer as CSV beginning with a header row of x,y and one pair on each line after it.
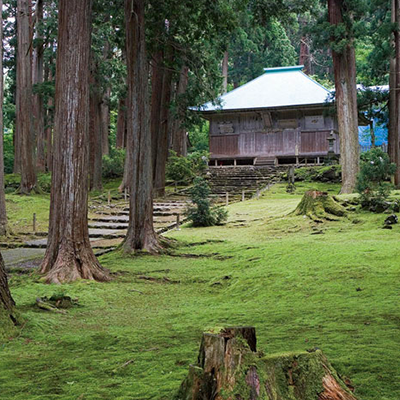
x,y
202,214
113,164
183,169
373,180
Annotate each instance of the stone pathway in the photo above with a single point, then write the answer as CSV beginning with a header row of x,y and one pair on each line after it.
x,y
107,228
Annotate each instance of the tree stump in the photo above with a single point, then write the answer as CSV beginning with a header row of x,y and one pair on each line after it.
x,y
319,206
229,368
7,318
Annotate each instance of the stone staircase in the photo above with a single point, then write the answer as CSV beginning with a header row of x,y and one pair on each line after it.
x,y
235,180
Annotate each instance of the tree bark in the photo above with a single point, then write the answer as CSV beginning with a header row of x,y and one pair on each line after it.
x,y
105,107
6,301
141,234
96,133
394,96
162,138
24,121
69,255
38,109
229,368
49,121
346,103
121,124
179,140
3,214
225,62
156,97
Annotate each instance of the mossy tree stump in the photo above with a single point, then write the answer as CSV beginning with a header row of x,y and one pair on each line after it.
x,y
229,368
7,317
319,206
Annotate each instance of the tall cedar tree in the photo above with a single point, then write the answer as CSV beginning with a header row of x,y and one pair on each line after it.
x,y
69,255
3,215
141,234
38,75
394,93
6,301
344,64
24,147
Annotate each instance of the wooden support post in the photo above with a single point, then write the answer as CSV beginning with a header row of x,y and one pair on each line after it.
x,y
176,187
178,222
109,197
125,195
34,222
317,160
258,194
234,162
227,199
243,197
216,162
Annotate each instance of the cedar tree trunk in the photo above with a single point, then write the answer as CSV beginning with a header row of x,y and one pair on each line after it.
x,y
225,72
346,102
394,94
95,134
69,255
156,96
162,139
179,140
38,109
3,214
121,124
141,234
24,121
229,368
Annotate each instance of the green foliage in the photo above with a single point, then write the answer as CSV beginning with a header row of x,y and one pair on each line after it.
x,y
113,164
183,169
202,214
198,136
8,153
373,179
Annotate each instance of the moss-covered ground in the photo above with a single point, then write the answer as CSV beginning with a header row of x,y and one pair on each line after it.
x,y
303,285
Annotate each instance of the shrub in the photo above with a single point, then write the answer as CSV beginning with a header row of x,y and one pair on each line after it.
x,y
113,164
202,214
373,180
183,169
179,169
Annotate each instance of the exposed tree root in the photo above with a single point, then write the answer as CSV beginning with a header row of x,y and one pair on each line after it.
x,y
71,265
319,206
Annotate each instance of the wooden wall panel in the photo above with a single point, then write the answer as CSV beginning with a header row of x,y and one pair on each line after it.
x,y
224,145
314,142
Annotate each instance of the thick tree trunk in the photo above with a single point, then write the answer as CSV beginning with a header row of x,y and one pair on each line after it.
x,y
95,135
105,121
346,103
162,139
3,214
229,368
156,96
141,234
394,99
6,301
225,62
49,125
24,122
179,140
69,255
121,124
38,109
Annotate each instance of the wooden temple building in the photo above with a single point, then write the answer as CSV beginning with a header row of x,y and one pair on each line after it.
x,y
278,118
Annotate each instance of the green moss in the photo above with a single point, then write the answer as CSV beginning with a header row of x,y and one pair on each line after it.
x,y
298,289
